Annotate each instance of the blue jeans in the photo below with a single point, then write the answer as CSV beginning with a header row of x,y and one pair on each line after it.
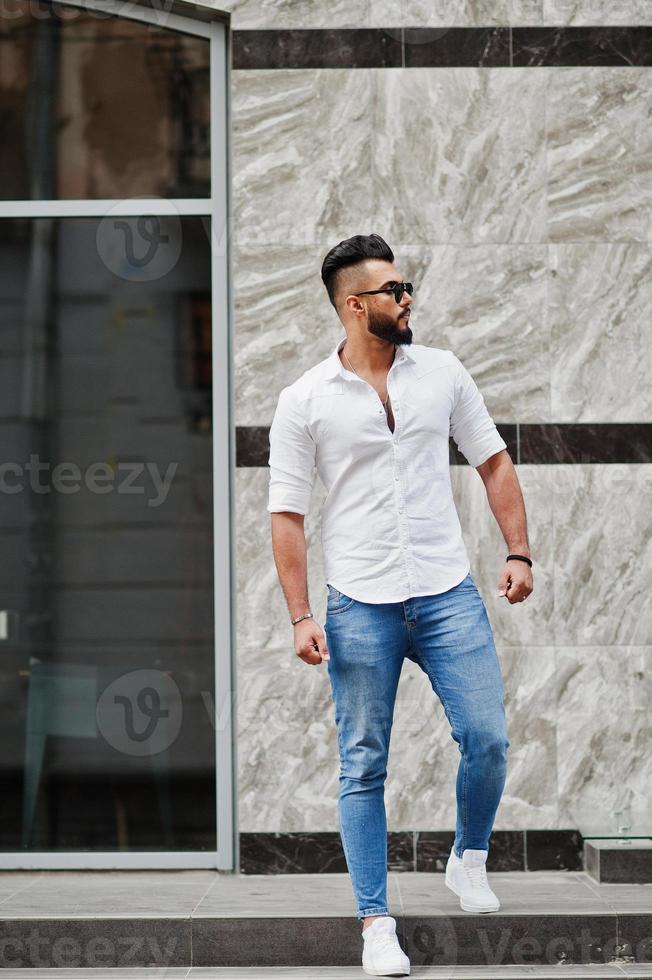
x,y
449,636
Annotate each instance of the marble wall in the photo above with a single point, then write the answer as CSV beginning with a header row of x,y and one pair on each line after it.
x,y
274,14
519,201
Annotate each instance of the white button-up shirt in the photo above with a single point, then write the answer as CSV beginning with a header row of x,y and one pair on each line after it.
x,y
390,529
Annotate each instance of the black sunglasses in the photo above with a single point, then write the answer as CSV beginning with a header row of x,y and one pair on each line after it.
x,y
398,289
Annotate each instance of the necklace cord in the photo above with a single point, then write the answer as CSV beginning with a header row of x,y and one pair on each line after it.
x,y
383,403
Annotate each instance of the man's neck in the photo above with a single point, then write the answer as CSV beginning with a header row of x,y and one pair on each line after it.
x,y
368,361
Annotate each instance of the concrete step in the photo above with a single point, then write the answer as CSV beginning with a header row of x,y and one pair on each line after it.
x,y
612,861
177,919
625,972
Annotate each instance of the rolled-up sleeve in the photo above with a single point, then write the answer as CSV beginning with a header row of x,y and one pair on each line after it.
x,y
291,458
472,427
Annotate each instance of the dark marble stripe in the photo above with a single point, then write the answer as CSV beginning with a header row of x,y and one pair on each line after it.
x,y
291,853
506,850
553,442
321,852
581,47
585,442
456,47
343,48
251,445
559,849
442,47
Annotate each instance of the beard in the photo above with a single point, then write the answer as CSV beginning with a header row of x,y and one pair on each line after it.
x,y
387,328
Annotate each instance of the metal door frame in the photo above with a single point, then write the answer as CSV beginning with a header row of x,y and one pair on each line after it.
x,y
218,208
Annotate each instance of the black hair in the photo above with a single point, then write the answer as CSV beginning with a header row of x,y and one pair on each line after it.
x,y
352,251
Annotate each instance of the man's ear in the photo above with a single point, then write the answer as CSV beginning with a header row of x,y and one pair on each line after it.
x,y
355,305
358,305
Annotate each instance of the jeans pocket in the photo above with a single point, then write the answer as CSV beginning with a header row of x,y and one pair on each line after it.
x,y
337,602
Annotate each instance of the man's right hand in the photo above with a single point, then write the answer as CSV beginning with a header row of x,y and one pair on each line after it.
x,y
310,642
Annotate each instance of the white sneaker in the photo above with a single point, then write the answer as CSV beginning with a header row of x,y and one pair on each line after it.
x,y
467,877
382,955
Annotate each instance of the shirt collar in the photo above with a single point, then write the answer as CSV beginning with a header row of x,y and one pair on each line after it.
x,y
334,366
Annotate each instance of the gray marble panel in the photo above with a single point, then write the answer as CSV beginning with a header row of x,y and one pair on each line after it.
x,y
464,13
287,743
302,155
390,132
603,737
262,614
530,795
263,619
248,14
597,12
561,497
286,733
284,324
599,299
289,759
599,153
423,762
602,555
467,166
274,14
487,303
526,624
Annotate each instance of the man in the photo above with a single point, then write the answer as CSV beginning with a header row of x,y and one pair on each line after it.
x,y
373,420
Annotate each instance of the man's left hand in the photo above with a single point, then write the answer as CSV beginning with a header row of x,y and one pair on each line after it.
x,y
516,581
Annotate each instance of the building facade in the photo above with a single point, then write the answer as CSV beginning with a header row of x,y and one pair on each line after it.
x,y
502,150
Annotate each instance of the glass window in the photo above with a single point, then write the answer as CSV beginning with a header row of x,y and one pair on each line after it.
x,y
107,740
98,106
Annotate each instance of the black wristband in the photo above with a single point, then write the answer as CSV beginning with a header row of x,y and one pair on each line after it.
x,y
521,558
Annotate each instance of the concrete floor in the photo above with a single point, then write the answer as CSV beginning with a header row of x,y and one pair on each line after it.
x,y
93,924
211,893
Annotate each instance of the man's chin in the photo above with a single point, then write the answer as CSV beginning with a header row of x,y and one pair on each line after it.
x,y
403,335
398,335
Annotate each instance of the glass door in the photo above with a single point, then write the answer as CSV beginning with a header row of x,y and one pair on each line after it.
x,y
115,420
